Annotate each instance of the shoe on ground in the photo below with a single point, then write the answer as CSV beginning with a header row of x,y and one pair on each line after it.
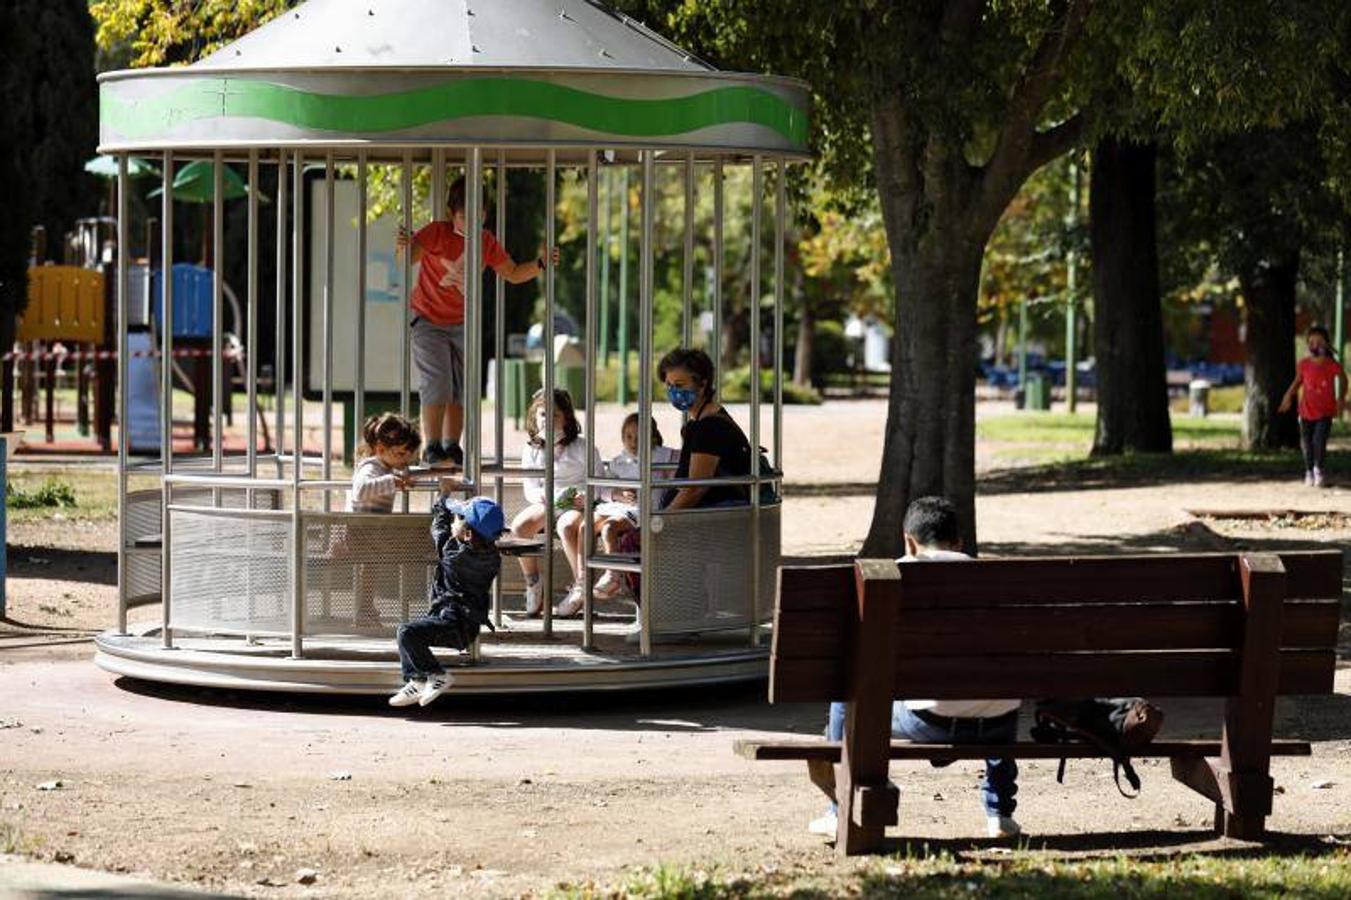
x,y
534,599
1308,478
572,604
433,456
611,587
454,453
1317,477
1002,827
408,694
435,687
826,825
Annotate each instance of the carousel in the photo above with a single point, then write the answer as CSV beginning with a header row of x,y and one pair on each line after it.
x,y
241,569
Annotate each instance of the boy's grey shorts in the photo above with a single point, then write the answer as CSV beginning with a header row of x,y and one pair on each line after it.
x,y
438,357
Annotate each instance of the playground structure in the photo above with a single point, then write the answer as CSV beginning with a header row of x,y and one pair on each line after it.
x,y
261,582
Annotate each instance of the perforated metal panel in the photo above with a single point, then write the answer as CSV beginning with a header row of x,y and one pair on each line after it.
x,y
700,568
513,582
365,573
230,573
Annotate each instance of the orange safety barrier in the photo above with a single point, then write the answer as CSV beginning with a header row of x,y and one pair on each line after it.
x,y
65,303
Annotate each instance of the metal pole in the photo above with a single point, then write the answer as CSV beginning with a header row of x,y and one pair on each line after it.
x,y
1022,349
166,394
687,281
780,233
550,211
123,433
407,182
438,197
757,215
623,397
217,313
298,408
359,387
1339,314
499,357
473,307
279,346
647,556
719,202
251,339
588,529
326,364
1072,296
607,204
4,525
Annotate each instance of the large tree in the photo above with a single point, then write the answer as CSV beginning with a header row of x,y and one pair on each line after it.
x,y
946,108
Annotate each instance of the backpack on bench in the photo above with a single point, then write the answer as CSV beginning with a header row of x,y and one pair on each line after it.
x,y
1115,725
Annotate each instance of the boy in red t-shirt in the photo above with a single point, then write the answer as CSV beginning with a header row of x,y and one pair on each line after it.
x,y
1320,401
438,320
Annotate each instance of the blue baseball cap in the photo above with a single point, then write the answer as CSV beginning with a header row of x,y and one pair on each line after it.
x,y
482,515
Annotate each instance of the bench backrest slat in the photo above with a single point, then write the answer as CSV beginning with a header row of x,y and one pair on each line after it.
x,y
1047,625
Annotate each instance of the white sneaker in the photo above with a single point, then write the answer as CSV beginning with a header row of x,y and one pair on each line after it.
x,y
408,694
534,599
1002,827
436,686
1308,478
826,826
572,604
1317,477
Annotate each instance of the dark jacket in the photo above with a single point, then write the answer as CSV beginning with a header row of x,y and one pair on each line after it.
x,y
464,573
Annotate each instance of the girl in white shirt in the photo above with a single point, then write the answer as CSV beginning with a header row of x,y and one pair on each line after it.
x,y
570,454
619,513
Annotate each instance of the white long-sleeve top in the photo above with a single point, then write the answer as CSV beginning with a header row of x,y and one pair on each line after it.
x,y
569,468
373,487
625,465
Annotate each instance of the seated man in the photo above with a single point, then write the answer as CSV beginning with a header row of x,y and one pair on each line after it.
x,y
932,533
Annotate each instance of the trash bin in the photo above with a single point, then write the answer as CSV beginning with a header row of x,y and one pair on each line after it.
x,y
1038,392
1198,395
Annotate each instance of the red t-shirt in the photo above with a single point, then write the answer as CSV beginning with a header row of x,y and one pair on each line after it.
x,y
1317,396
438,295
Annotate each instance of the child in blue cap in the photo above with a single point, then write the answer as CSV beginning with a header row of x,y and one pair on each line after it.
x,y
465,534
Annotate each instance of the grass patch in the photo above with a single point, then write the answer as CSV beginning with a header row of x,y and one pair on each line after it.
x,y
1077,429
1022,877
68,492
53,493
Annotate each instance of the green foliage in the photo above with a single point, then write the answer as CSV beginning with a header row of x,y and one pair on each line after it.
x,y
830,349
53,493
167,32
736,389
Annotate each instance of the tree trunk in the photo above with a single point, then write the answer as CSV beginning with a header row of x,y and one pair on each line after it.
x,y
802,354
1269,339
1128,313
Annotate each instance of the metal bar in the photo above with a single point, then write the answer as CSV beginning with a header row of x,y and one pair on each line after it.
x,y
123,432
407,182
359,386
251,329
589,367
719,202
550,223
231,513
1339,314
623,311
499,362
608,205
230,482
326,364
473,313
615,563
721,480
1072,295
645,301
298,406
438,197
217,308
780,235
279,346
4,524
687,281
166,391
757,227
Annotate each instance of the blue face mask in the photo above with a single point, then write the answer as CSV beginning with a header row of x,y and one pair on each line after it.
x,y
682,399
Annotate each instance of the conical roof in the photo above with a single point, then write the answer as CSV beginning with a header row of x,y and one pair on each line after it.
x,y
552,34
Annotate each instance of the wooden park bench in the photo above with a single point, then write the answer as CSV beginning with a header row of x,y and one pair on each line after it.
x,y
1247,627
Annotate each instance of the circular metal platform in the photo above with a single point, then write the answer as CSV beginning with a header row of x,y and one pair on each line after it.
x,y
518,661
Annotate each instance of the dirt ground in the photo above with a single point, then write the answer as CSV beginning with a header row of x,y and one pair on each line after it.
x,y
489,797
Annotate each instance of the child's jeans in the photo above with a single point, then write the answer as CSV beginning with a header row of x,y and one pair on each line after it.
x,y
1313,435
1000,785
447,627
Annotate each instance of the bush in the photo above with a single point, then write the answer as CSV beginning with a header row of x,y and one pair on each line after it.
x,y
52,493
830,350
736,389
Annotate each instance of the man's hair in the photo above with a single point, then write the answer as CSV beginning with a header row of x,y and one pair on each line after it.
x,y
932,521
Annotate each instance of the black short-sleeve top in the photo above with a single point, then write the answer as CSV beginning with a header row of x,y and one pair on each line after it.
x,y
717,435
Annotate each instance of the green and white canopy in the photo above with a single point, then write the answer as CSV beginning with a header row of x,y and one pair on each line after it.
x,y
390,76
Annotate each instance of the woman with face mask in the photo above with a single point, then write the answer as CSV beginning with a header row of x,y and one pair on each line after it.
x,y
570,451
1320,402
712,445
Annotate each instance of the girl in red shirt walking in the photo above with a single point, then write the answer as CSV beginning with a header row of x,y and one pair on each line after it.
x,y
1319,401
